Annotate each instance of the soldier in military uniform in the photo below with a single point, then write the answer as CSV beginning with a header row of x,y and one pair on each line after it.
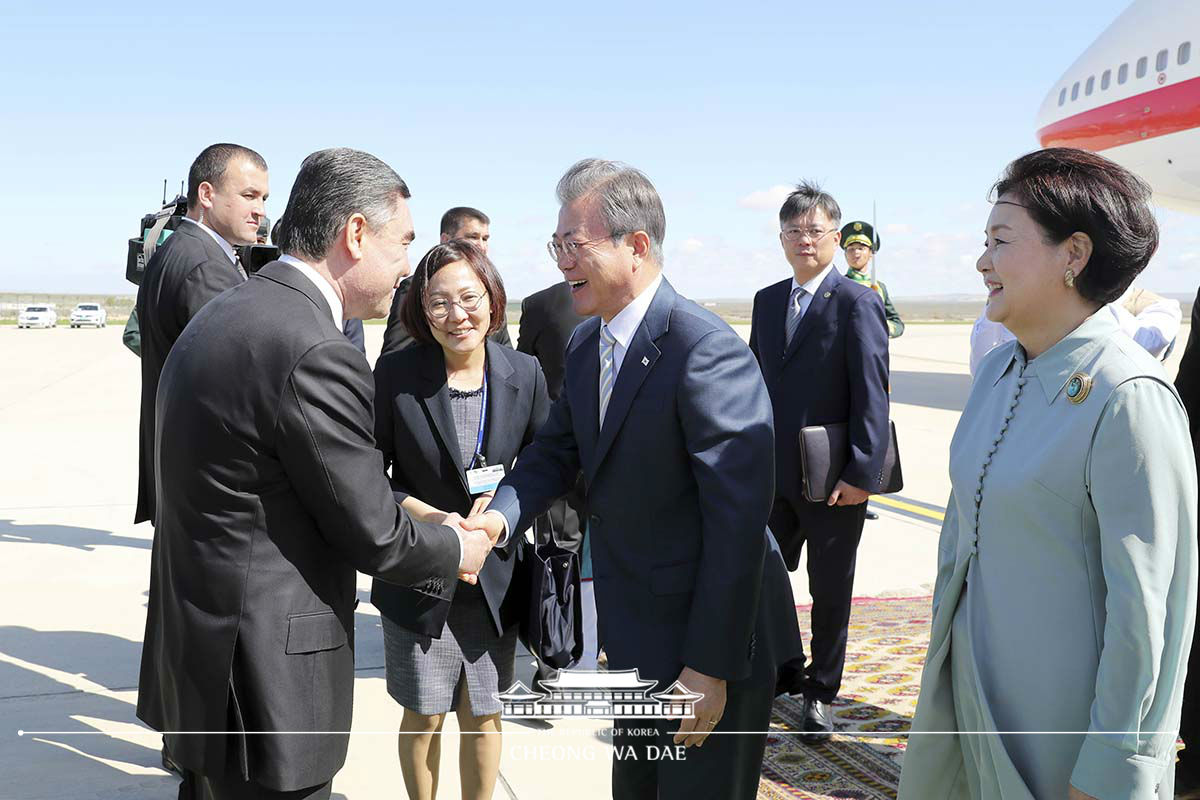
x,y
860,243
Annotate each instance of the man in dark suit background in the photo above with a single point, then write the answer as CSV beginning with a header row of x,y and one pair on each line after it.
x,y
272,494
227,191
1187,770
460,222
821,340
664,410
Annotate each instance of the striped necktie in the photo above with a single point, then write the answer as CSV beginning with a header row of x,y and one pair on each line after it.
x,y
794,315
608,373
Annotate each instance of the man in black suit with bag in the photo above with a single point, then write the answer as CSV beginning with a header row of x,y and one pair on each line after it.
x,y
227,191
272,494
664,410
821,340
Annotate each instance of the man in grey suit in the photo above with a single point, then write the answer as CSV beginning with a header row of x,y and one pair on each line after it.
x,y
272,494
664,409
227,192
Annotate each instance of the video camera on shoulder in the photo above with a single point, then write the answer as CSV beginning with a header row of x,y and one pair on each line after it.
x,y
155,227
256,256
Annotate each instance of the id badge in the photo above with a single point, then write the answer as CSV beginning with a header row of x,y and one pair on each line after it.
x,y
484,479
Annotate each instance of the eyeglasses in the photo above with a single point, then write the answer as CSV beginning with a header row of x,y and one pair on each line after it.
x,y
439,308
812,234
569,249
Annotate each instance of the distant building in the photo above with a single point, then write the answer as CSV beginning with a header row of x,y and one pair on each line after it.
x,y
595,693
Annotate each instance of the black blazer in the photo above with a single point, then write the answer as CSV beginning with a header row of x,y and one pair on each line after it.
x,y
396,336
414,429
185,273
835,370
271,496
548,319
679,488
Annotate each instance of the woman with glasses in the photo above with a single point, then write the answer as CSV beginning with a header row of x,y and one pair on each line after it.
x,y
450,414
1066,583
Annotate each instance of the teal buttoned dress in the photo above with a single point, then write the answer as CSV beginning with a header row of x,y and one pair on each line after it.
x,y
1066,584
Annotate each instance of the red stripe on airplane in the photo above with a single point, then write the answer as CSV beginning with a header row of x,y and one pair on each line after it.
x,y
1158,112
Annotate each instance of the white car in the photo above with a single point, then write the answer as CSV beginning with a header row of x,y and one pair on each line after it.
x,y
88,314
37,317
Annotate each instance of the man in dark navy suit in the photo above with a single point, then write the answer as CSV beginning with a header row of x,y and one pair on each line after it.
x,y
821,340
664,410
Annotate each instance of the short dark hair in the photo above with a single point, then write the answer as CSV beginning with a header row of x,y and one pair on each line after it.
x,y
1066,191
453,219
331,186
412,313
806,197
210,166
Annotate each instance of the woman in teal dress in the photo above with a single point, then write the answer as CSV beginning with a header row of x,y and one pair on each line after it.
x,y
1066,586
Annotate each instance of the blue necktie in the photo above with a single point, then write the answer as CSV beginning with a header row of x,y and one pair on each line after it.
x,y
608,373
794,315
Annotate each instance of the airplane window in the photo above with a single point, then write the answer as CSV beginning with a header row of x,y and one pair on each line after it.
x,y
1185,53
1075,91
1105,79
1160,61
1062,96
1123,73
1141,67
1091,84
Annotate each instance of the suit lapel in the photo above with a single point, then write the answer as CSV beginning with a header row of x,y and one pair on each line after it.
x,y
582,380
436,402
640,358
775,319
821,300
502,400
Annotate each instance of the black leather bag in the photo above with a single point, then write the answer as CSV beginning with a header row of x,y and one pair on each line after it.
x,y
824,453
552,626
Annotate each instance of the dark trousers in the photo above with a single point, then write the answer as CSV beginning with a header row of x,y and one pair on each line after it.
x,y
648,765
832,536
1189,720
202,787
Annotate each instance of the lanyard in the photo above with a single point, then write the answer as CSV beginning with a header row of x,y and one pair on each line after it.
x,y
478,458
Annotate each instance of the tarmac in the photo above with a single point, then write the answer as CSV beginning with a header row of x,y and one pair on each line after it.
x,y
75,570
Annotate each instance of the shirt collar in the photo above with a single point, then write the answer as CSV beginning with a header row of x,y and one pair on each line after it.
x,y
226,246
1055,367
625,324
811,285
323,286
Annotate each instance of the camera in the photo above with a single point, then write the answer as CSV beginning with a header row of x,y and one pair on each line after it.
x,y
256,256
157,226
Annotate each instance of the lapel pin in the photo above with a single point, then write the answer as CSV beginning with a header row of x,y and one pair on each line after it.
x,y
645,361
828,295
1079,387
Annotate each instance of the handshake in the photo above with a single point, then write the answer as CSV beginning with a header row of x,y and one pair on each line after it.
x,y
478,534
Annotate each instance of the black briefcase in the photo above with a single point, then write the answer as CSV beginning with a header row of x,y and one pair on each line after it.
x,y
552,625
824,453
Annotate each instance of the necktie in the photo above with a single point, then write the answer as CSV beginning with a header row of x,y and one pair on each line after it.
x,y
608,373
794,315
237,261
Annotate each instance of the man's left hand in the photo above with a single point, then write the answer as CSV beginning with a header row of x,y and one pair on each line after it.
x,y
846,495
708,710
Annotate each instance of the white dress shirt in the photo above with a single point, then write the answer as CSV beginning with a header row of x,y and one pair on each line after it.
x,y
225,246
625,324
323,286
810,288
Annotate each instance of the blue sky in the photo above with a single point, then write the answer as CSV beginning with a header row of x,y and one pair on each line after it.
x,y
915,106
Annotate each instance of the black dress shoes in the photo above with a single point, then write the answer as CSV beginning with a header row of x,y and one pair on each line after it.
x,y
872,515
818,722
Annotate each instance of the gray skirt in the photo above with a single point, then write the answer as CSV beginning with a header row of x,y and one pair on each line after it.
x,y
424,674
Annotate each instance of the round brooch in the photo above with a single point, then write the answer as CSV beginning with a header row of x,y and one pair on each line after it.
x,y
1078,387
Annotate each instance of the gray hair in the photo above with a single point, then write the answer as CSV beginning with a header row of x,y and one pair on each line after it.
x,y
806,197
331,186
628,200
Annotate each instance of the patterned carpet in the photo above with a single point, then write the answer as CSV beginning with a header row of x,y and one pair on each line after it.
x,y
888,637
